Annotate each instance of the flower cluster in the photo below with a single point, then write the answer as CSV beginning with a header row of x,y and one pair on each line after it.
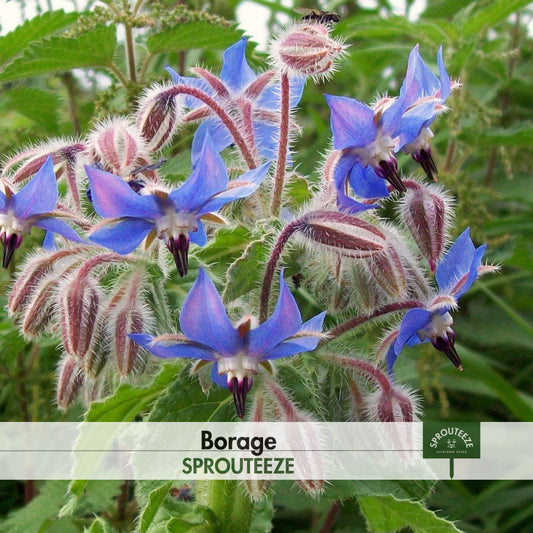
x,y
98,288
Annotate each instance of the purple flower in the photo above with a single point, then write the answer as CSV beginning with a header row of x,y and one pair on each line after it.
x,y
33,205
455,274
247,97
428,95
174,216
367,137
238,351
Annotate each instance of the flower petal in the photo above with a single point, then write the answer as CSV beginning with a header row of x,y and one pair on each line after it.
x,y
3,202
236,73
167,350
306,340
189,101
218,133
208,178
39,195
203,318
414,320
199,236
352,122
124,236
60,227
113,197
284,322
243,186
366,183
462,260
218,379
418,117
445,82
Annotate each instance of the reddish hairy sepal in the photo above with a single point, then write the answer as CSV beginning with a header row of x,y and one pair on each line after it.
x,y
214,81
342,233
79,303
426,213
159,115
70,379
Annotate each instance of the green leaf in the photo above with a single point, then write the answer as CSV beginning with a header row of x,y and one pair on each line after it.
x,y
32,30
155,499
520,134
100,525
491,15
386,514
185,401
94,48
190,35
35,104
403,490
240,276
225,248
127,401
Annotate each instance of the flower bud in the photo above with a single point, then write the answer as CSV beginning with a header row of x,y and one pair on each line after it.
x,y
425,212
306,50
386,269
117,146
342,233
78,309
159,115
41,308
35,269
394,404
70,379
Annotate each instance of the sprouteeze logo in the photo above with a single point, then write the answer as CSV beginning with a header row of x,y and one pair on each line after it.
x,y
451,440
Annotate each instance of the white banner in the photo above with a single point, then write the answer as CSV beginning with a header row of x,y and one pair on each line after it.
x,y
245,450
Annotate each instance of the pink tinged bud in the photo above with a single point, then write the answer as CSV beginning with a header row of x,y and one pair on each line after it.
x,y
117,146
425,213
41,308
214,81
79,304
307,50
159,116
70,379
29,277
393,404
342,233
386,269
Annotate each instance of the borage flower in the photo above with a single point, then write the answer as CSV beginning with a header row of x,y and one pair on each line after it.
x,y
455,274
367,136
253,101
428,95
238,351
33,205
174,216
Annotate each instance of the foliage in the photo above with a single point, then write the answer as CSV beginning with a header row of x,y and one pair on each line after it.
x,y
61,73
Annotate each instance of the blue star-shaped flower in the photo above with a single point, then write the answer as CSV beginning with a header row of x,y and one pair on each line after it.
x,y
243,94
209,335
174,216
33,205
455,274
368,137
428,95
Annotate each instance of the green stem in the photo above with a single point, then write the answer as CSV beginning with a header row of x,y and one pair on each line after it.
x,y
230,503
120,77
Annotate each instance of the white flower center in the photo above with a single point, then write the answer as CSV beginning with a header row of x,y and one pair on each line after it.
x,y
174,223
381,149
238,366
421,142
439,326
11,225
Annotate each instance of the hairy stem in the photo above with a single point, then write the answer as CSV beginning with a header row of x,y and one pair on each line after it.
x,y
223,116
359,320
130,53
283,238
279,178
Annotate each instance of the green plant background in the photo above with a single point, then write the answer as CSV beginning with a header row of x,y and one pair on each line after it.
x,y
483,150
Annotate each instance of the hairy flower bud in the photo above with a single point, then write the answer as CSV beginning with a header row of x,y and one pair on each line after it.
x,y
394,404
386,269
159,115
306,50
79,302
342,233
124,315
426,214
70,379
117,146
